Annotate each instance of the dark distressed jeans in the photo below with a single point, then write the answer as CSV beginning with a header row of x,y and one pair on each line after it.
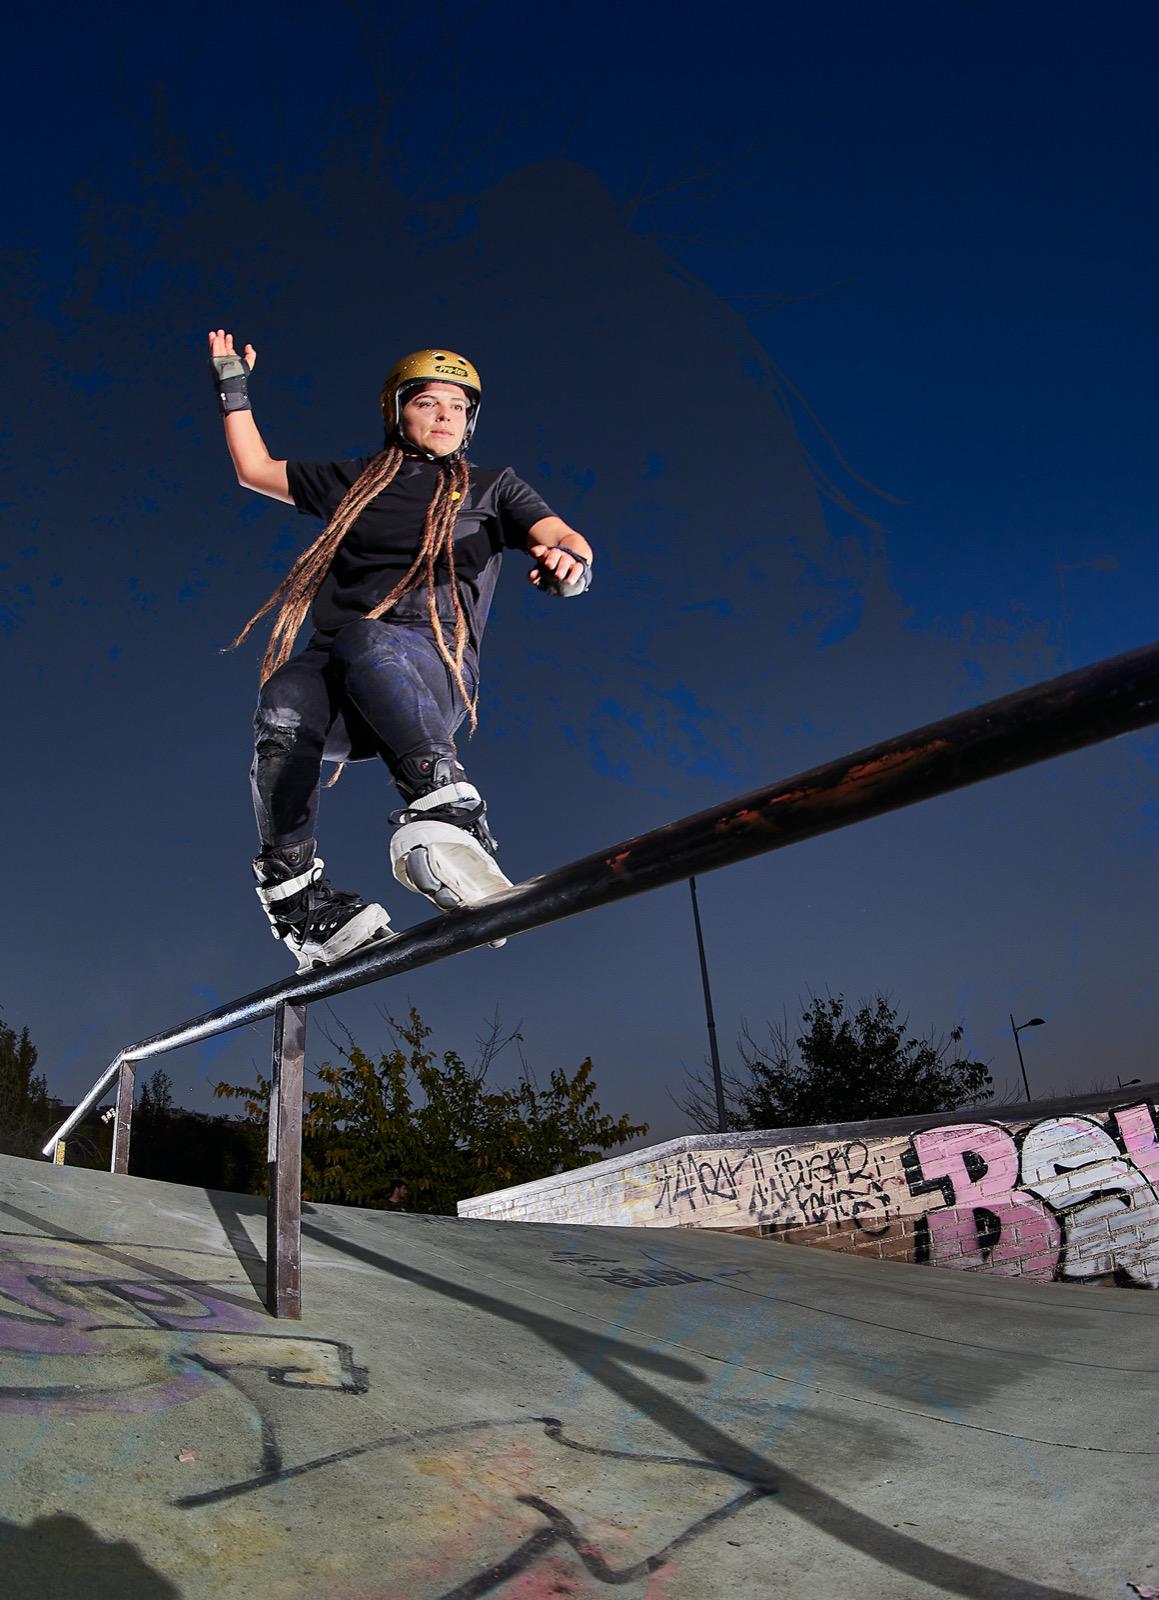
x,y
372,689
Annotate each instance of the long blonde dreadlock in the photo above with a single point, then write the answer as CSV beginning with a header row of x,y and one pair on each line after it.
x,y
297,590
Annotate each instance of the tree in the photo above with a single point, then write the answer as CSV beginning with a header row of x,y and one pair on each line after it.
x,y
180,1146
846,1067
25,1109
155,1101
432,1121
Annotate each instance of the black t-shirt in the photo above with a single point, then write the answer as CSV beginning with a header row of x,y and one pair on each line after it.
x,y
499,511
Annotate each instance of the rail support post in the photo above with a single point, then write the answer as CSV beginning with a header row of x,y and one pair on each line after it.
x,y
284,1165
123,1123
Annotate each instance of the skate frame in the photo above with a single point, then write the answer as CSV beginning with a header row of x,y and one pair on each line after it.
x,y
1050,719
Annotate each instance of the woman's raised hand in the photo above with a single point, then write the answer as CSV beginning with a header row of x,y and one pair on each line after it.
x,y
221,344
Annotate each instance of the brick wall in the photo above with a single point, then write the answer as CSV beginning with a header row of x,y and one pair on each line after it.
x,y
1068,1189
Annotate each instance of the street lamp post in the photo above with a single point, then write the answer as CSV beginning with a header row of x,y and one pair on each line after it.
x,y
721,1116
1035,1022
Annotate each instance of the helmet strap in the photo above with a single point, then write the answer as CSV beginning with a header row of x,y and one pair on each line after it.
x,y
417,453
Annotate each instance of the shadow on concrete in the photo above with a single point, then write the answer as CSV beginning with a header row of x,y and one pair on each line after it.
x,y
609,1361
230,1209
62,1558
124,1256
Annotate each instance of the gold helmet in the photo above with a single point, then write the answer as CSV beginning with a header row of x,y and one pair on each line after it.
x,y
430,366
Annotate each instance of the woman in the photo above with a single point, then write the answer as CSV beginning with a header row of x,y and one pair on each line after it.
x,y
398,584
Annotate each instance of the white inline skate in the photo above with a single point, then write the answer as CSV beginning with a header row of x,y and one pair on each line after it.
x,y
443,848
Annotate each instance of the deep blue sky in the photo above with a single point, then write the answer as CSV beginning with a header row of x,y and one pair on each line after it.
x,y
719,284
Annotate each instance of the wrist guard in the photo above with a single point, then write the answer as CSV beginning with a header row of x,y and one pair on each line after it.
x,y
550,584
230,375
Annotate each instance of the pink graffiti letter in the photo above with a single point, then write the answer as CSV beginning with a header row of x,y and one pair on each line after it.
x,y
1136,1126
985,1221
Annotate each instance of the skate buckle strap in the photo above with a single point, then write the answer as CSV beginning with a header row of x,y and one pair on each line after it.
x,y
460,800
449,794
268,893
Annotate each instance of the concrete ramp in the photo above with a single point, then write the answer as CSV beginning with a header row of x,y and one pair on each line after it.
x,y
473,1408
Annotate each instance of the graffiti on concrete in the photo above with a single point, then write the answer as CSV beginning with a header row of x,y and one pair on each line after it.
x,y
548,1544
626,1275
65,1309
643,1272
784,1187
1066,1197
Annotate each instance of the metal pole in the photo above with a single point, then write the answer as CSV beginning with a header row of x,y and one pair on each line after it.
x,y
1067,713
1021,1063
284,1165
123,1125
721,1114
95,1095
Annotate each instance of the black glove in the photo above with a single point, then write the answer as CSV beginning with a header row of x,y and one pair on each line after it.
x,y
550,584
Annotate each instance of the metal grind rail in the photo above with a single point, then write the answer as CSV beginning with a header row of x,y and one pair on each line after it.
x,y
1067,713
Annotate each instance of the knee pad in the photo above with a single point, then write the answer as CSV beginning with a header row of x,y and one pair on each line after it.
x,y
276,730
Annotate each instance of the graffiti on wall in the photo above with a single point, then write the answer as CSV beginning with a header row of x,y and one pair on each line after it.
x,y
1072,1197
1067,1197
782,1188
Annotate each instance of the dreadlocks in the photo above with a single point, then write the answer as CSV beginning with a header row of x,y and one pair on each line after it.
x,y
297,590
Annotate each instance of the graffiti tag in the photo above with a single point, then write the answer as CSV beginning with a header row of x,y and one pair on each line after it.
x,y
784,1188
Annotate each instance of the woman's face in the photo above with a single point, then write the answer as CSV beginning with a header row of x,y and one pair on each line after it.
x,y
435,417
